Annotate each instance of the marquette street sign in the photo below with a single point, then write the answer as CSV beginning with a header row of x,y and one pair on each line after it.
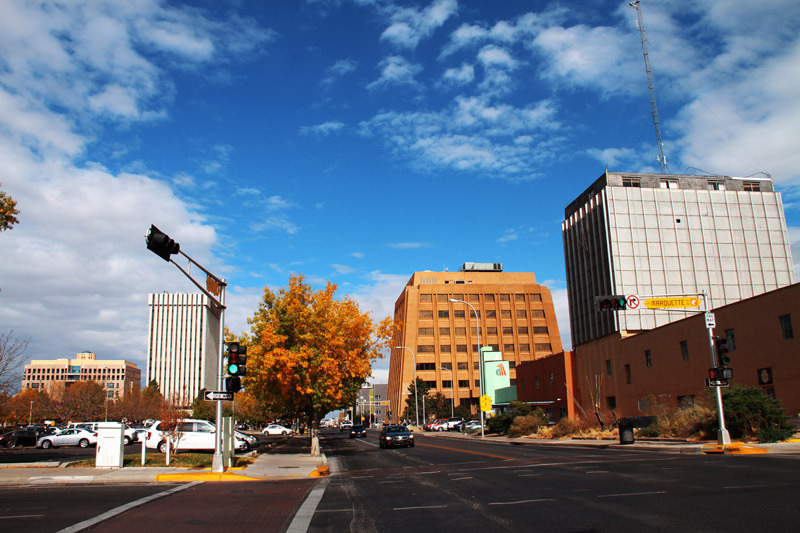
x,y
215,395
667,303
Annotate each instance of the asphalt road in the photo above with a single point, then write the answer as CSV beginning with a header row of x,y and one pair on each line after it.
x,y
469,485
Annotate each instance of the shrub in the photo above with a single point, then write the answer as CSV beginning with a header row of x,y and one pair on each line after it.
x,y
775,433
566,427
748,411
528,425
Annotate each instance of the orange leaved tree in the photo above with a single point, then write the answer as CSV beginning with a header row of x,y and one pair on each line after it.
x,y
310,352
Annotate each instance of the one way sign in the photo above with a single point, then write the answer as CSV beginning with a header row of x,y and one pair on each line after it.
x,y
216,395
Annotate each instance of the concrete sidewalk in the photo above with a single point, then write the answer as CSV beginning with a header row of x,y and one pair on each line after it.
x,y
292,462
672,445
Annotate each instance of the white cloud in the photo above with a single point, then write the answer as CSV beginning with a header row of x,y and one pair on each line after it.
x,y
342,269
395,70
406,245
463,75
279,222
324,129
409,25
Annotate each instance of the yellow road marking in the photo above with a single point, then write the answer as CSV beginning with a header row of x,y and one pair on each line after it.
x,y
467,451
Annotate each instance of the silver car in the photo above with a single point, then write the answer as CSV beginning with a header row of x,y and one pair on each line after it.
x,y
68,437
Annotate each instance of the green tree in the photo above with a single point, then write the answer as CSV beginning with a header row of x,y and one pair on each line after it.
x,y
749,413
502,422
309,352
410,412
8,211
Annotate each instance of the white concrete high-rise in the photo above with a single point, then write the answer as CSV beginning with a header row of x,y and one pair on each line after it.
x,y
183,346
658,235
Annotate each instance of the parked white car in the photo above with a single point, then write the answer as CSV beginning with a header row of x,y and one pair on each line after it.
x,y
276,429
69,437
191,435
130,435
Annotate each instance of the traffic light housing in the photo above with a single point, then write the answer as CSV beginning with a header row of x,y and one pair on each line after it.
x,y
721,345
233,384
237,359
160,243
611,303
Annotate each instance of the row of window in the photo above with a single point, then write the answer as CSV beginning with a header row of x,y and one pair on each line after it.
x,y
82,371
787,333
462,365
490,313
711,185
507,348
492,330
462,384
536,381
477,297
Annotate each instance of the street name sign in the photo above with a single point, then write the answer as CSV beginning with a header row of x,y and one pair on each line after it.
x,y
217,395
670,302
716,382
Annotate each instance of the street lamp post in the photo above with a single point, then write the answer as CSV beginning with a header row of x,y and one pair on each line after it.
x,y
416,403
480,358
452,391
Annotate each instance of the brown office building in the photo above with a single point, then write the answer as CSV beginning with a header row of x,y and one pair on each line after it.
x,y
516,317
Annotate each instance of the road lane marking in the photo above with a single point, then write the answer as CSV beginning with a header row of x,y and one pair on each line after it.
x,y
22,516
334,510
302,519
529,475
361,477
121,509
522,501
631,494
419,507
460,478
431,472
597,471
755,486
384,482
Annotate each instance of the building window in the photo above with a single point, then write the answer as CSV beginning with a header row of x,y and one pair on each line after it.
x,y
426,348
463,383
552,378
461,331
447,384
505,313
462,365
536,381
477,383
537,313
540,330
525,348
752,186
444,314
476,365
508,348
425,297
431,384
716,186
522,330
628,374
686,402
512,364
508,331
426,314
474,297
543,347
669,184
447,366
631,182
458,314
445,348
491,313
444,331
488,297
490,330
522,313
461,348
608,367
441,298
426,366
786,326
648,359
425,331
731,338
611,401
685,350
536,297
519,298
505,297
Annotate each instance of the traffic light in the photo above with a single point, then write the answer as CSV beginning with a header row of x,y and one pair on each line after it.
x,y
721,345
611,303
160,244
237,359
233,384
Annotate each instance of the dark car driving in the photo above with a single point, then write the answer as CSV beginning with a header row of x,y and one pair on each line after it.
x,y
20,437
357,431
396,435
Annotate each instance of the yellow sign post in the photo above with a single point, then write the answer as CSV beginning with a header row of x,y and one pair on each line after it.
x,y
670,302
486,403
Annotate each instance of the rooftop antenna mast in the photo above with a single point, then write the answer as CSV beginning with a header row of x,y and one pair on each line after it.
x,y
662,159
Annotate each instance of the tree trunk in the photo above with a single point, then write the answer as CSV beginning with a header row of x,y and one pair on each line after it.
x,y
314,427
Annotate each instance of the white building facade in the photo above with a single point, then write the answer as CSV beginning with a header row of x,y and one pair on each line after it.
x,y
183,346
659,235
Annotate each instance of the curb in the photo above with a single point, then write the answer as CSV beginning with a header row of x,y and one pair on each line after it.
x,y
735,448
321,471
184,477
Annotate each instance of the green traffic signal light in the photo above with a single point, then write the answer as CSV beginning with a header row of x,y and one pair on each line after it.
x,y
236,359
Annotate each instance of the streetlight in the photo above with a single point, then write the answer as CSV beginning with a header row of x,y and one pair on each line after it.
x,y
452,391
480,358
416,403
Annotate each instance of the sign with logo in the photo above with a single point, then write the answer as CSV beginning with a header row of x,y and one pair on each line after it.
x,y
496,374
672,302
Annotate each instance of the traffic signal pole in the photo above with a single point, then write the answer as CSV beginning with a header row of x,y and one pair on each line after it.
x,y
723,436
163,246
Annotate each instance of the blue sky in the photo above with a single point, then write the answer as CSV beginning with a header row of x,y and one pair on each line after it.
x,y
352,141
